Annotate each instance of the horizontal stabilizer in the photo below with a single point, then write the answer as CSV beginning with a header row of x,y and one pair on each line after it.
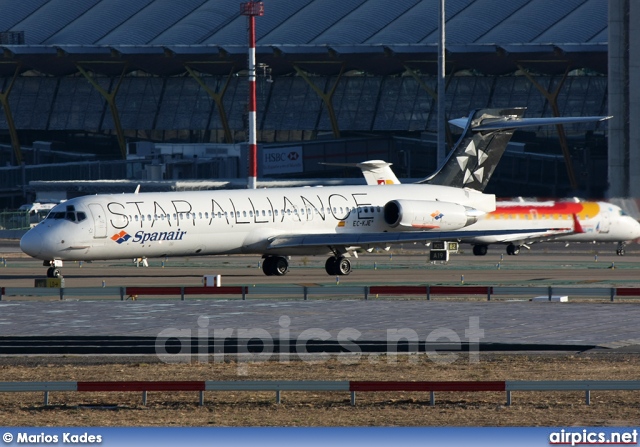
x,y
517,123
484,138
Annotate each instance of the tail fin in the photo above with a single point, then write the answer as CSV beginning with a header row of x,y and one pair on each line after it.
x,y
483,141
376,172
476,154
577,227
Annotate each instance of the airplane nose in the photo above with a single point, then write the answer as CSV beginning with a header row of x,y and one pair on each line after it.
x,y
31,243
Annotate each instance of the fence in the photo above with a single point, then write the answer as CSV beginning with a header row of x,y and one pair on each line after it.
x,y
305,292
315,386
17,220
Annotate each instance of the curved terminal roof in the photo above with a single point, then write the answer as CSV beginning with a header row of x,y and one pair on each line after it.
x,y
322,36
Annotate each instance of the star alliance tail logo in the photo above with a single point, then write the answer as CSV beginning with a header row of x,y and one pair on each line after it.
x,y
437,215
121,237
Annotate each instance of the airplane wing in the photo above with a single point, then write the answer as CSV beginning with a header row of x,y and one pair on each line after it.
x,y
360,239
539,236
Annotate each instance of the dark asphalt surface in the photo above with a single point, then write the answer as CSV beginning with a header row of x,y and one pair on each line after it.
x,y
374,325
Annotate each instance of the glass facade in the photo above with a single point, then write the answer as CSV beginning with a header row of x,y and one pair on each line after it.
x,y
289,103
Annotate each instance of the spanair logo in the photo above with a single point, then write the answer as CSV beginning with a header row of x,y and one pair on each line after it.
x,y
437,215
142,237
121,237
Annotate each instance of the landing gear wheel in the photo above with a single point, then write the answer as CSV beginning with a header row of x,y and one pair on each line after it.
x,y
280,266
338,266
53,272
480,250
275,265
344,266
513,249
620,250
331,266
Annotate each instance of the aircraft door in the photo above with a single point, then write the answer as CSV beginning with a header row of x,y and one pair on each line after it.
x,y
99,220
605,221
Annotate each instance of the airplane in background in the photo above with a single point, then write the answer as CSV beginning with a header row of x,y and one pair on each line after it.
x,y
279,222
597,222
592,221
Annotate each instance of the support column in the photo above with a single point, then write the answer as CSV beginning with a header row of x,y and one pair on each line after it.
x,y
110,97
217,98
552,98
4,102
326,97
618,97
434,95
632,98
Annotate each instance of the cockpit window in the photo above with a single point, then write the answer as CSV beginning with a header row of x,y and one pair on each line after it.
x,y
71,215
622,213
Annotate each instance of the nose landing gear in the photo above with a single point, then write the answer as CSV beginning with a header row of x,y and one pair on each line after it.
x,y
53,272
54,268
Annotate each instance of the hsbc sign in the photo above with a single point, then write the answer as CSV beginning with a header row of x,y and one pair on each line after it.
x,y
283,160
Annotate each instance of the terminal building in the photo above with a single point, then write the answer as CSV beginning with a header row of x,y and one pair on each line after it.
x,y
100,89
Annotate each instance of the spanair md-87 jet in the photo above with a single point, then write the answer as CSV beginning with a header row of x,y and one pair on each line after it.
x,y
278,222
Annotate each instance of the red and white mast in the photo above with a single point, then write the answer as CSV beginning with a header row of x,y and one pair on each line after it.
x,y
251,10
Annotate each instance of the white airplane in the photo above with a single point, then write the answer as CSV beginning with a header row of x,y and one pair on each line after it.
x,y
279,222
592,221
596,222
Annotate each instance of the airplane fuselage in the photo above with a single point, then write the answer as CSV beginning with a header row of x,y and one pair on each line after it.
x,y
600,221
227,222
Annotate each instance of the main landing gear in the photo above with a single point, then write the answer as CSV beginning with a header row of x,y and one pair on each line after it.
x,y
480,250
513,250
620,249
275,265
279,265
338,265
